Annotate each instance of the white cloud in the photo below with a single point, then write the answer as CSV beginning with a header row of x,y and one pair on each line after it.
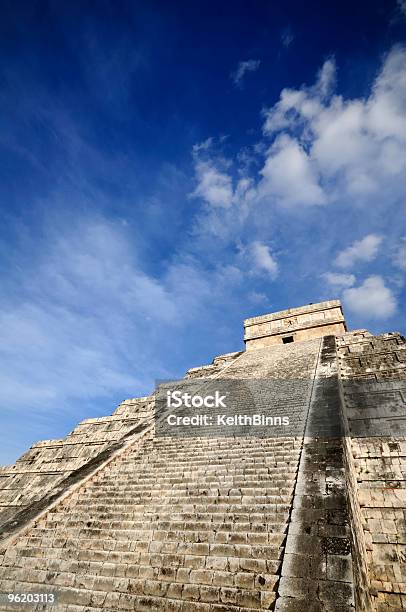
x,y
258,298
338,280
242,69
289,176
325,149
357,147
214,186
371,300
263,260
402,6
297,106
362,250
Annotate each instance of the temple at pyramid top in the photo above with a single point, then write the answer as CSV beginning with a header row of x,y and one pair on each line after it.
x,y
295,325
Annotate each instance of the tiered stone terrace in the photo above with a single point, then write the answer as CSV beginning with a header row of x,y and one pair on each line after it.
x,y
115,517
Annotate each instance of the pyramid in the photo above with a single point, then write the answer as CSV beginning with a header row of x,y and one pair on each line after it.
x,y
127,513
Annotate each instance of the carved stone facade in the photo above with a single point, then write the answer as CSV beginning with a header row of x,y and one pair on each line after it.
x,y
115,517
295,325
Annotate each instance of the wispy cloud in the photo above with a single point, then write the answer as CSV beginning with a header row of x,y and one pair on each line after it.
x,y
263,259
287,37
84,321
214,187
242,69
74,311
338,280
362,250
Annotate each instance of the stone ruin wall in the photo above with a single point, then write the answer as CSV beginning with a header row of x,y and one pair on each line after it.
x,y
303,323
45,466
373,381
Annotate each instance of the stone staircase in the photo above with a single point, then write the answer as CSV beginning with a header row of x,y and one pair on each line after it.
x,y
183,523
165,525
124,514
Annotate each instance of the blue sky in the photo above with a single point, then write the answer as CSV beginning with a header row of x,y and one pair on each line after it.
x,y
169,169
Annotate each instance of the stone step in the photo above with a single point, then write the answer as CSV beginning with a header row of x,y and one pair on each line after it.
x,y
271,508
260,551
247,455
193,488
114,602
119,522
190,469
184,515
127,563
244,522
212,481
232,474
184,450
238,468
153,535
136,576
177,500
232,470
197,486
222,443
203,598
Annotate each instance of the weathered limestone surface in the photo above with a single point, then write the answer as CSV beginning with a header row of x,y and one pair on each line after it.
x,y
373,375
45,466
215,368
303,323
316,573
